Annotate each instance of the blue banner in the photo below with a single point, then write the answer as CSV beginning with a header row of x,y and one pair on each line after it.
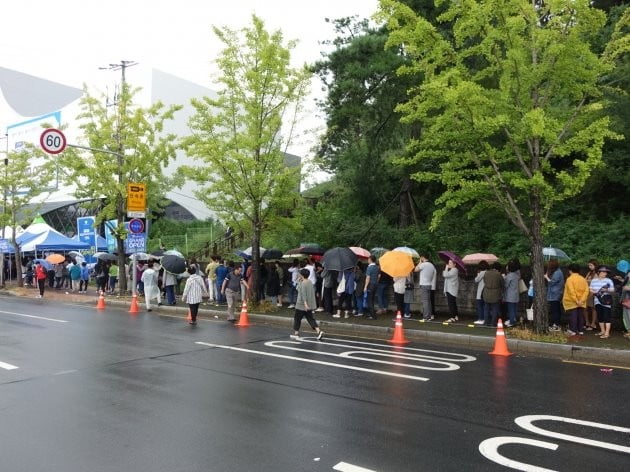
x,y
86,231
109,237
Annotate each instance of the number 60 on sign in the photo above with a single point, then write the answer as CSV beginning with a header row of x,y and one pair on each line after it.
x,y
53,141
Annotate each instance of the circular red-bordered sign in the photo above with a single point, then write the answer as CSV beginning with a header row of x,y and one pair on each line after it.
x,y
53,141
136,226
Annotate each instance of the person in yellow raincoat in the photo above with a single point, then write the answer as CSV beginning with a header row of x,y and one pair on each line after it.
x,y
574,299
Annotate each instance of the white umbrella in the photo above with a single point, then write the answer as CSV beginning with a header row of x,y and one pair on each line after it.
x,y
173,252
407,250
556,253
249,250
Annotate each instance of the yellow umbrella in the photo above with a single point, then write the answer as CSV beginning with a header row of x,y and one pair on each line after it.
x,y
396,263
56,258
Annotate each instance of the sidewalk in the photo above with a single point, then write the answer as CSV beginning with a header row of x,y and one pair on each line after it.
x,y
614,351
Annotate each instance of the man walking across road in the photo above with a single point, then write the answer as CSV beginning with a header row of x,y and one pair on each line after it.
x,y
231,289
194,291
40,276
304,305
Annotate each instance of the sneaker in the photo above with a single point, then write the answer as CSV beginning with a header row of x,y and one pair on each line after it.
x,y
347,315
294,336
507,324
431,318
407,316
358,315
320,335
279,305
336,315
554,327
571,333
581,333
291,306
479,322
319,309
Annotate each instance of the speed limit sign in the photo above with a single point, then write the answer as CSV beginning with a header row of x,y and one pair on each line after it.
x,y
52,141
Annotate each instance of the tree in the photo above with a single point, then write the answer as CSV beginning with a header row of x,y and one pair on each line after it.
x,y
510,106
237,138
19,192
124,146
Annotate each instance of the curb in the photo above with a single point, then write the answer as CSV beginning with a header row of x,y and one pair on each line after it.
x,y
566,352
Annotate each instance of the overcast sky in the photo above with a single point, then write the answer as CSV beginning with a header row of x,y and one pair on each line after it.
x,y
68,40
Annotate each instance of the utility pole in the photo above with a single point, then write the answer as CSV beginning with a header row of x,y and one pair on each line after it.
x,y
121,106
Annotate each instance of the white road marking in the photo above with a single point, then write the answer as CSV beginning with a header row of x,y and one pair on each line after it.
x,y
33,316
446,356
353,355
526,422
6,366
345,467
312,361
489,449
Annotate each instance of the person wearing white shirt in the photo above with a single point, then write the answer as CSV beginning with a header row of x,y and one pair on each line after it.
x,y
427,275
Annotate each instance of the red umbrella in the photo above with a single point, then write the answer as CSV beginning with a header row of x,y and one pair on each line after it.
x,y
451,256
360,252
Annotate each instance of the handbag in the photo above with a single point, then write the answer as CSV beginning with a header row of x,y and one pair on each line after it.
x,y
522,288
530,313
604,298
342,285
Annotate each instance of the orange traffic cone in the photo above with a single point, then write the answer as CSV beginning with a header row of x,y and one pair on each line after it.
x,y
500,343
399,333
243,320
100,305
133,309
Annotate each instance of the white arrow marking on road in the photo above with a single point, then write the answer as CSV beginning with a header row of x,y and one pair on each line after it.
x,y
345,467
312,361
373,352
33,316
6,366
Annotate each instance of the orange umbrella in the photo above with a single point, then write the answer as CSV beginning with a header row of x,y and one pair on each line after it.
x,y
56,258
396,263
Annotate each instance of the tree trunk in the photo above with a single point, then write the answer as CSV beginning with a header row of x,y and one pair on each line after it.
x,y
254,283
541,318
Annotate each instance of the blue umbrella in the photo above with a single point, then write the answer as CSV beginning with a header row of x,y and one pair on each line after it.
x,y
47,265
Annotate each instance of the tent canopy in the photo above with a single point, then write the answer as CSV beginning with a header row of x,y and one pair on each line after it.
x,y
35,229
52,240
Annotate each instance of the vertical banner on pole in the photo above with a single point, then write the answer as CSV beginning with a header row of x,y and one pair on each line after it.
x,y
109,236
86,231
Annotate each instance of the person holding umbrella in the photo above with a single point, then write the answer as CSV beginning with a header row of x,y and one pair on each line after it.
x,y
194,291
304,305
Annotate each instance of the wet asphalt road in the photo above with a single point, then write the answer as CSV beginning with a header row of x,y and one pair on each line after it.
x,y
109,391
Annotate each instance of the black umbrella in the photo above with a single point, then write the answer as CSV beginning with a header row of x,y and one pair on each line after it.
x,y
272,254
173,264
339,258
158,253
106,256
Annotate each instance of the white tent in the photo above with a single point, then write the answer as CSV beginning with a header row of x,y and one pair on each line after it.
x,y
8,232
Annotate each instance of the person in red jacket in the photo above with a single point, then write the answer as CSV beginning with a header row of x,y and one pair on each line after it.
x,y
40,275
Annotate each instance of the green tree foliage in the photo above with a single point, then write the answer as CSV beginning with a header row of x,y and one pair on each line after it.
x,y
19,192
510,106
238,137
126,145
363,128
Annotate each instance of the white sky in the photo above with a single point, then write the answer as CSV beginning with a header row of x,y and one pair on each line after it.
x,y
68,40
